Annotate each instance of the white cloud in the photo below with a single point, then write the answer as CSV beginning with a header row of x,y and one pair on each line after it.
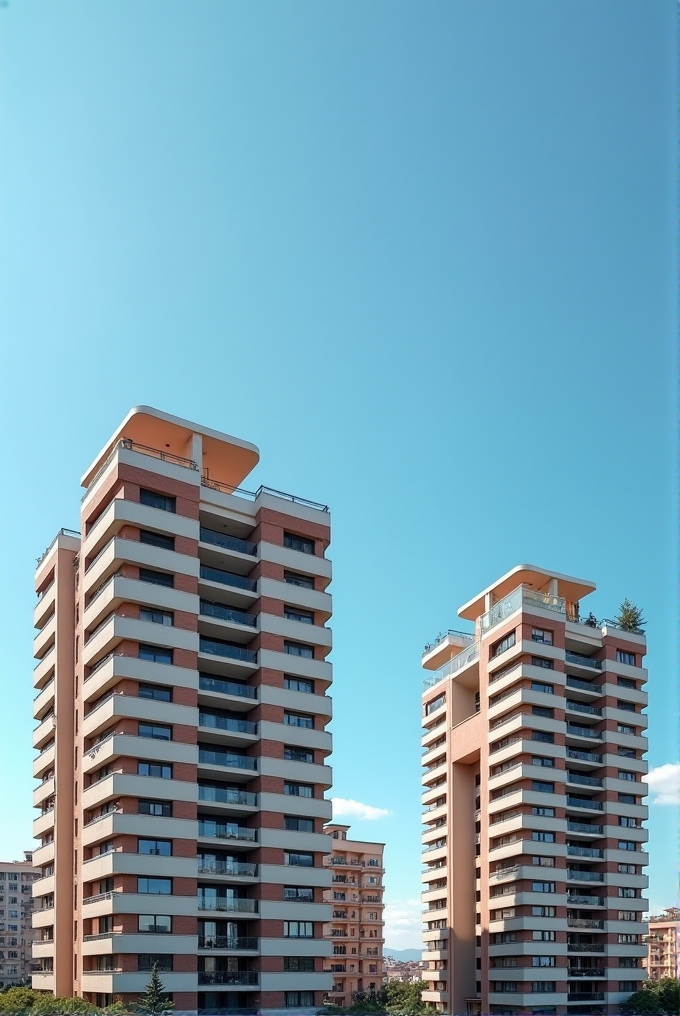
x,y
343,806
664,783
404,924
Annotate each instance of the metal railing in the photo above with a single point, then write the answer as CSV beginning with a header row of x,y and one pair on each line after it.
x,y
228,830
235,868
583,922
584,756
207,683
585,901
227,942
438,639
226,758
586,781
577,731
241,977
226,723
226,795
227,542
214,647
585,876
462,659
62,532
130,445
573,851
575,682
521,596
584,827
226,578
585,947
227,903
226,488
45,655
223,613
582,661
581,707
584,802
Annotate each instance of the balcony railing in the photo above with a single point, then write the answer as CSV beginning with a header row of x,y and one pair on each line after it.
x,y
444,635
583,661
585,996
226,758
216,648
227,977
585,972
462,659
576,682
521,596
584,827
585,876
226,942
227,614
207,683
226,488
226,795
228,904
584,756
584,851
229,830
226,723
235,868
585,923
227,542
585,947
585,901
585,781
62,532
584,802
578,731
581,707
226,578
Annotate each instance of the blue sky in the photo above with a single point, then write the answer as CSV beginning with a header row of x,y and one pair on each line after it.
x,y
421,253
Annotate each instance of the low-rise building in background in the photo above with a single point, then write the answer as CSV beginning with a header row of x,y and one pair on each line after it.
x,y
356,927
16,908
662,945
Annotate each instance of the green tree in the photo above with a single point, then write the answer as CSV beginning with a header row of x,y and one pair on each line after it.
x,y
630,617
403,998
656,998
154,1001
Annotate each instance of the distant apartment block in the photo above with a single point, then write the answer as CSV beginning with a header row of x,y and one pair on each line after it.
x,y
181,707
534,847
663,944
356,928
16,908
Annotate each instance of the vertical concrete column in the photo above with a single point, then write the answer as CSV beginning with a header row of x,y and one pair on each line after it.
x,y
461,879
552,588
195,450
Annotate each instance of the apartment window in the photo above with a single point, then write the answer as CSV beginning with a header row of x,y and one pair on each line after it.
x,y
505,643
627,845
543,961
626,893
299,649
627,799
298,720
546,689
628,869
496,915
628,915
157,578
153,924
300,825
159,770
298,894
626,707
298,789
163,848
157,616
545,812
628,986
157,731
542,635
295,579
298,999
500,938
155,886
628,823
435,704
543,862
298,964
299,860
623,657
160,809
548,714
542,735
543,787
627,752
155,691
543,887
625,774
297,754
155,654
542,987
540,837
298,684
296,614
157,539
300,543
626,682
162,961
542,760
153,500
625,939
501,961
298,929
339,896
541,661
339,950
505,987
543,936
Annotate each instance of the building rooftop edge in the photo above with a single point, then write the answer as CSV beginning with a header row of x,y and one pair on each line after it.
x,y
569,586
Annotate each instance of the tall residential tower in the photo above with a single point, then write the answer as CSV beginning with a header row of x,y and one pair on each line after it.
x,y
182,700
533,847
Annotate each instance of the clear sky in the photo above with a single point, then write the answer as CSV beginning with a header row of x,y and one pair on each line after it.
x,y
421,253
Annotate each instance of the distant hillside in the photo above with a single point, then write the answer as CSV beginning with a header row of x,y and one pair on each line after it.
x,y
403,954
